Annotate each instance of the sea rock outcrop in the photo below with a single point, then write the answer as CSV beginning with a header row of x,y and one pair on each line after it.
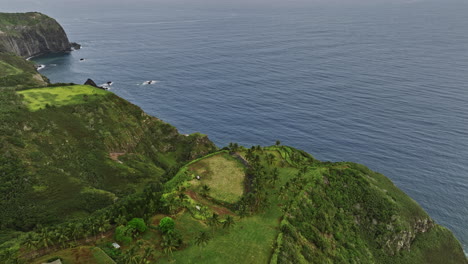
x,y
31,34
91,83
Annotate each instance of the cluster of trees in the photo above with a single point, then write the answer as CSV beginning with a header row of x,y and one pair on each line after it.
x,y
140,206
260,175
126,233
215,222
171,238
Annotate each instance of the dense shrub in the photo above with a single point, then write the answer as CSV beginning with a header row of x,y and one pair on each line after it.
x,y
166,225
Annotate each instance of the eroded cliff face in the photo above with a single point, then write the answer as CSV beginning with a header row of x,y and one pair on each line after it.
x,y
31,34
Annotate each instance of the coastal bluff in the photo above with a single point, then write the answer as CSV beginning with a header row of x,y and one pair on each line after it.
x,y
32,34
88,177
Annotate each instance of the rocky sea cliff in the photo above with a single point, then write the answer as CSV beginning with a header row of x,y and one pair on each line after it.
x,y
32,34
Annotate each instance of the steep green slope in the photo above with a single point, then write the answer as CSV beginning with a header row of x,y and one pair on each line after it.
x,y
72,157
350,214
294,209
17,72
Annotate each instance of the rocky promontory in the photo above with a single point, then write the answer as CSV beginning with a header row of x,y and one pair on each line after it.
x,y
31,34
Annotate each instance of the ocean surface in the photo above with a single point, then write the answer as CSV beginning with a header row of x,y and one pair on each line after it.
x,y
385,85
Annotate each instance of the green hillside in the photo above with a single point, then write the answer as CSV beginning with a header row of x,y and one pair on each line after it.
x,y
293,209
309,212
68,151
81,169
17,72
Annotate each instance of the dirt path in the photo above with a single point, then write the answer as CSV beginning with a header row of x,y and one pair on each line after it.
x,y
115,155
241,159
218,209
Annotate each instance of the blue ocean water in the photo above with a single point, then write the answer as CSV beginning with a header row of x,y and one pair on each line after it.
x,y
385,85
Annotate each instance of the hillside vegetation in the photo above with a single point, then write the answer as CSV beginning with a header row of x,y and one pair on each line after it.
x,y
9,21
17,72
293,209
68,151
81,169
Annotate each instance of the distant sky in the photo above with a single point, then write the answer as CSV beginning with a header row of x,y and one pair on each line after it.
x,y
21,5
61,9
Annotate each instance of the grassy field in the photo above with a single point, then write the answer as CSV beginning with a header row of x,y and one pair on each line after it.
x,y
223,174
79,255
251,239
59,96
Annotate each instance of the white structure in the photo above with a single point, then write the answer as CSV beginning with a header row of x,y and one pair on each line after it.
x,y
115,245
198,207
198,177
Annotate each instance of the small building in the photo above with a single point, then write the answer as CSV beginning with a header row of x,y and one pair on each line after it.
x,y
198,207
198,177
115,245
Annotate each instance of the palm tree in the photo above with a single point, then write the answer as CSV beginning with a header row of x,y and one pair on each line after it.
x,y
102,226
249,155
94,228
76,231
275,175
130,256
202,239
46,238
270,158
182,196
205,190
168,245
228,222
61,238
214,220
121,220
31,240
148,253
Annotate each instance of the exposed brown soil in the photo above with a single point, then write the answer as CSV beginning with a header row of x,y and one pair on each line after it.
x,y
115,155
219,210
